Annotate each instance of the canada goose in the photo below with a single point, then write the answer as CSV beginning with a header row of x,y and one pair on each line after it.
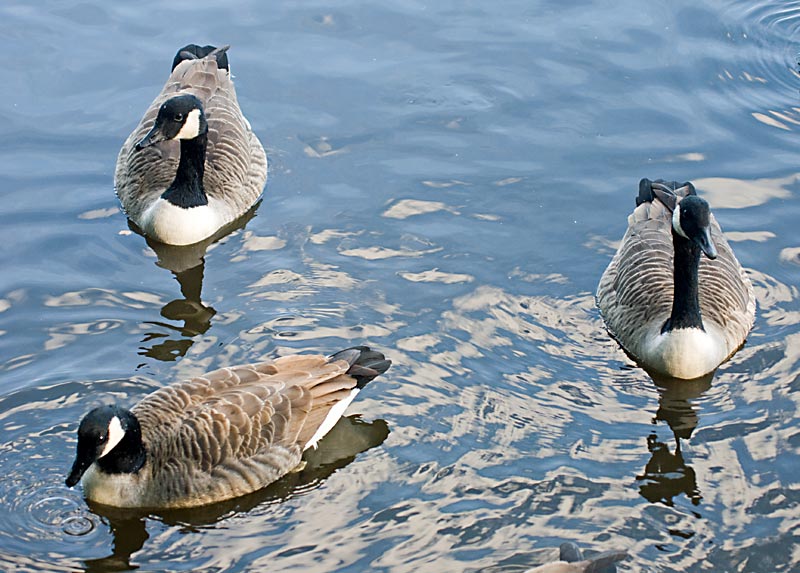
x,y
221,435
193,164
675,314
570,560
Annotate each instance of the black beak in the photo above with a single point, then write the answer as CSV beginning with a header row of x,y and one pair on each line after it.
x,y
155,135
706,245
80,466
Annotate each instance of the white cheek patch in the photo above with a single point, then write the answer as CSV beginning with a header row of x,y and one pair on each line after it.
x,y
191,127
676,221
115,435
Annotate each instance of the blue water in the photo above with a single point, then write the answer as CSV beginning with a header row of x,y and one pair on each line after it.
x,y
448,181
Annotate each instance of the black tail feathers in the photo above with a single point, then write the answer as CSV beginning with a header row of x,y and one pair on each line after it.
x,y
663,190
601,563
605,562
569,552
365,363
195,52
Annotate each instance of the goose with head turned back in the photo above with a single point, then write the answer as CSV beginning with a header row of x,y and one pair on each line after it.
x,y
676,314
193,164
221,435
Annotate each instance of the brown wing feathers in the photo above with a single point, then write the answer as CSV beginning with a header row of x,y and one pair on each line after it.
x,y
234,416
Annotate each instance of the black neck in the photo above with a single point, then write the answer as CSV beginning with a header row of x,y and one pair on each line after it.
x,y
187,189
128,456
686,299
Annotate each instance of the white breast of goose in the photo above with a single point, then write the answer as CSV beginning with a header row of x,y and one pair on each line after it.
x,y
119,490
175,225
686,352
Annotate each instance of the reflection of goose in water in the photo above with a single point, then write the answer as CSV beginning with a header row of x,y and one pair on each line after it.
x,y
666,474
190,310
187,264
348,438
129,533
571,560
222,435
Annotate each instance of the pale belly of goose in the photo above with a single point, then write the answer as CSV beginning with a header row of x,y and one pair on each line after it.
x,y
118,490
168,223
685,353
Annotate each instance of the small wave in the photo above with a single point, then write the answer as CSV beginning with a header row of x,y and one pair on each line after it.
x,y
762,39
63,513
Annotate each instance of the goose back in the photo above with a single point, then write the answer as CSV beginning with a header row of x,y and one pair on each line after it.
x,y
635,293
235,163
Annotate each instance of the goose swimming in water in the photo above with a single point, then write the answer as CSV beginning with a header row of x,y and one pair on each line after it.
x,y
221,435
674,313
193,164
571,560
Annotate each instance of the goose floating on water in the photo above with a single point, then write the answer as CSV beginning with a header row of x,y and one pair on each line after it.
x,y
193,164
571,560
218,436
674,313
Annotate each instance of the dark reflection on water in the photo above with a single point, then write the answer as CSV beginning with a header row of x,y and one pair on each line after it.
x,y
675,404
447,181
190,310
667,474
129,536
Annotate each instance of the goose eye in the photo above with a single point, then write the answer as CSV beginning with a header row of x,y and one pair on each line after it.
x,y
178,117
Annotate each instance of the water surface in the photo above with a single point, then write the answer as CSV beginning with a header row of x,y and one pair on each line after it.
x,y
448,181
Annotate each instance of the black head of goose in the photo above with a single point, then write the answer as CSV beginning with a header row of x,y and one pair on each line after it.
x,y
218,436
181,118
674,295
193,164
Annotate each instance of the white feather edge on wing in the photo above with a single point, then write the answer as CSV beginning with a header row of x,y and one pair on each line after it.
x,y
336,412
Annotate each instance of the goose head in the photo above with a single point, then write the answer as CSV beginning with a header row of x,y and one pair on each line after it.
x,y
99,433
691,220
180,117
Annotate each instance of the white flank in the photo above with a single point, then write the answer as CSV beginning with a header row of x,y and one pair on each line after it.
x,y
676,221
685,353
330,420
175,225
115,435
191,127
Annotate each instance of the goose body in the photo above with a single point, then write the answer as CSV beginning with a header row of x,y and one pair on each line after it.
x,y
193,164
571,560
677,313
218,436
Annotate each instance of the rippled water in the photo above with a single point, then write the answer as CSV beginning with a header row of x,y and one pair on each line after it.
x,y
448,181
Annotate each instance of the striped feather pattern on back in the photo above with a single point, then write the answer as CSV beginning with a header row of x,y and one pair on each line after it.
x,y
235,430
